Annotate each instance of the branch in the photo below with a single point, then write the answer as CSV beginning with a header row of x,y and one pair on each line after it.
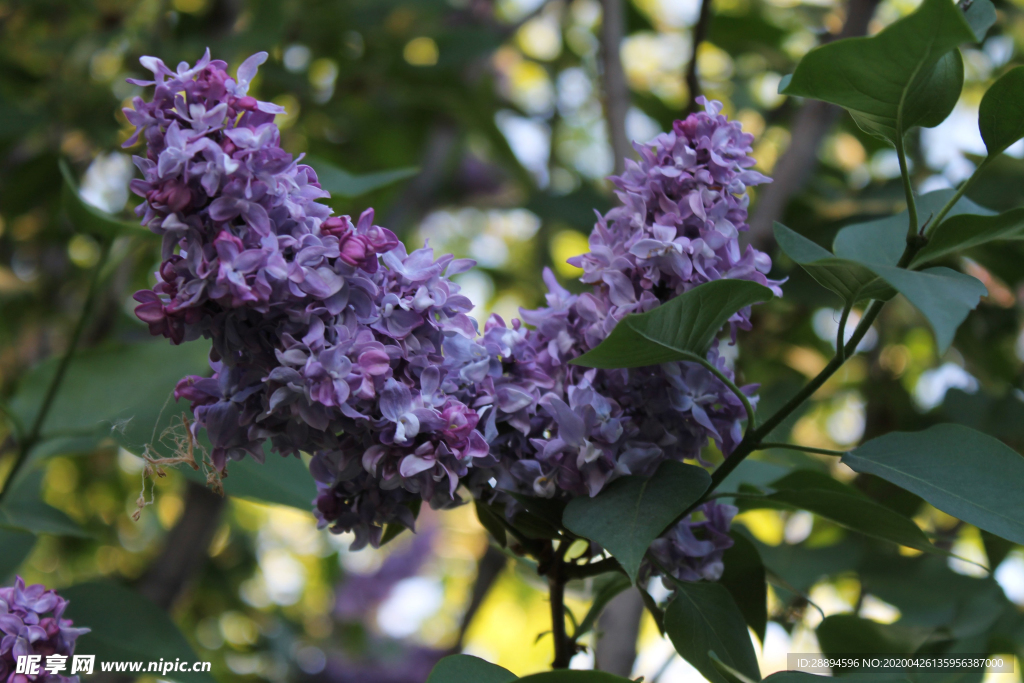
x,y
185,549
700,32
26,445
616,90
812,121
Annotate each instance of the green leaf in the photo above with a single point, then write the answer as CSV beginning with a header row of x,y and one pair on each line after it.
x,y
909,74
281,480
731,675
980,15
340,182
882,241
852,281
17,545
633,511
489,521
468,669
855,512
122,388
127,626
24,510
848,634
606,588
744,579
811,479
962,472
681,329
570,676
88,218
703,617
965,231
999,113
944,296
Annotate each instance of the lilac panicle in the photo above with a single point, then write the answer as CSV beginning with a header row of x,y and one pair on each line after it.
x,y
327,334
330,337
561,430
32,623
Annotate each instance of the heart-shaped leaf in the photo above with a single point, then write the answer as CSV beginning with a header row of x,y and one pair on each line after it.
x,y
681,329
964,473
632,511
908,74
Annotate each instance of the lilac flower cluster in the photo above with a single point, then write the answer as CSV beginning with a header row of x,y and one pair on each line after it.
x,y
564,431
330,338
27,630
315,346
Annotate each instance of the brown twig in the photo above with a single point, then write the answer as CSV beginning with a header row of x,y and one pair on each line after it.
x,y
616,90
812,122
700,32
185,549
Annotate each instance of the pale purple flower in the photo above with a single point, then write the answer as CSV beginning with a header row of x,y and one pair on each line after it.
x,y
32,623
316,347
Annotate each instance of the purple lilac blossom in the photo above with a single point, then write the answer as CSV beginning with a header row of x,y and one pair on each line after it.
x,y
316,346
32,623
329,337
563,431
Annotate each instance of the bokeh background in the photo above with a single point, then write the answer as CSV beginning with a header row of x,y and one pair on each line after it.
x,y
487,127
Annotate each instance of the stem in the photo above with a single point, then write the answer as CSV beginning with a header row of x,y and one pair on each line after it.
x,y
28,443
752,440
794,447
583,571
908,190
732,387
954,199
556,591
840,336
